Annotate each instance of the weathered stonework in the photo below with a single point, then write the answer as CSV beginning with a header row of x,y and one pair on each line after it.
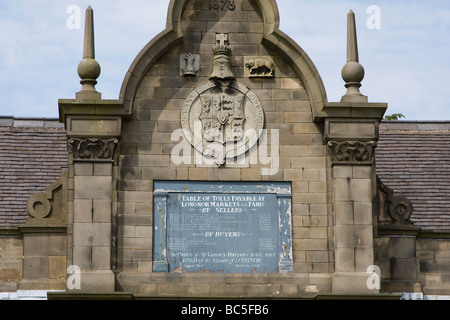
x,y
162,99
189,64
213,117
259,67
45,239
11,261
352,152
392,208
92,149
256,95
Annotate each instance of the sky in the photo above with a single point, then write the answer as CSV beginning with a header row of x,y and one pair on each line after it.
x,y
404,46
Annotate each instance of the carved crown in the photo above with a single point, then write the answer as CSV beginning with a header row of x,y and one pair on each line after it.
x,y
222,50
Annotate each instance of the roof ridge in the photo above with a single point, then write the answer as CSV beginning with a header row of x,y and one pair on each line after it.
x,y
30,122
431,126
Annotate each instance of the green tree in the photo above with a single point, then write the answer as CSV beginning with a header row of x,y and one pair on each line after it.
x,y
394,117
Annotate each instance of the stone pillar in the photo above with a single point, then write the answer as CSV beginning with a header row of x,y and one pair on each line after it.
x,y
353,228
353,185
93,128
92,158
351,132
92,225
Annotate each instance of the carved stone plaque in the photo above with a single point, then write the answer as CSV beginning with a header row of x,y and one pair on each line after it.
x,y
259,67
216,232
189,65
222,119
222,227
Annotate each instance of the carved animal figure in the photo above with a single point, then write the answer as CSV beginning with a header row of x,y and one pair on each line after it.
x,y
260,67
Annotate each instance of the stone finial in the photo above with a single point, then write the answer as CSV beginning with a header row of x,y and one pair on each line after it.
x,y
89,69
353,72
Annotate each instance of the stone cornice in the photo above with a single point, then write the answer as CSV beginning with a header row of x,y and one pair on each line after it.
x,y
91,107
361,110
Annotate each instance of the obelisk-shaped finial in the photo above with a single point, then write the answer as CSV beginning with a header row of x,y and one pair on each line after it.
x,y
89,69
353,72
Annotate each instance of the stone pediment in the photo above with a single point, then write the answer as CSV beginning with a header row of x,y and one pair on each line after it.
x,y
272,37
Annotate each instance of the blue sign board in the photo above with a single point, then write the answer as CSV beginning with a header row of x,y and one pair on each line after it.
x,y
222,227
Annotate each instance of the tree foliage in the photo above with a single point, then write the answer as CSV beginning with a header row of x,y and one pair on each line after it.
x,y
394,117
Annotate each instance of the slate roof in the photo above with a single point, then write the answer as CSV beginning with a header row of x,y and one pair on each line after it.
x,y
413,159
33,154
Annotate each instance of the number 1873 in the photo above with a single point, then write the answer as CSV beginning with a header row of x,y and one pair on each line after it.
x,y
222,4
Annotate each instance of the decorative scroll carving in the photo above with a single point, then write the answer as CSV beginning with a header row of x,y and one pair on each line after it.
x,y
93,149
259,68
49,208
352,152
393,209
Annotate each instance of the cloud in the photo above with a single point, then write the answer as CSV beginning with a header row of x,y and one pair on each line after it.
x,y
39,54
406,60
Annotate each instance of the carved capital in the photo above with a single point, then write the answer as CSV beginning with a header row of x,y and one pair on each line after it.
x,y
352,152
93,149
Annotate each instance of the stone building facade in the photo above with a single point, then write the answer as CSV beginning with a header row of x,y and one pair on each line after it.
x,y
221,106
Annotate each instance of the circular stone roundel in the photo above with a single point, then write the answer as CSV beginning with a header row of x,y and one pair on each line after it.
x,y
222,119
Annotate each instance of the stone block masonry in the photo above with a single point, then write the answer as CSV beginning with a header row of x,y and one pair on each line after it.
x,y
146,147
222,171
226,66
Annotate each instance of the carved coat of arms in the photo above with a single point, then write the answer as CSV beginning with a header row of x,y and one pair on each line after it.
x,y
222,123
222,118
